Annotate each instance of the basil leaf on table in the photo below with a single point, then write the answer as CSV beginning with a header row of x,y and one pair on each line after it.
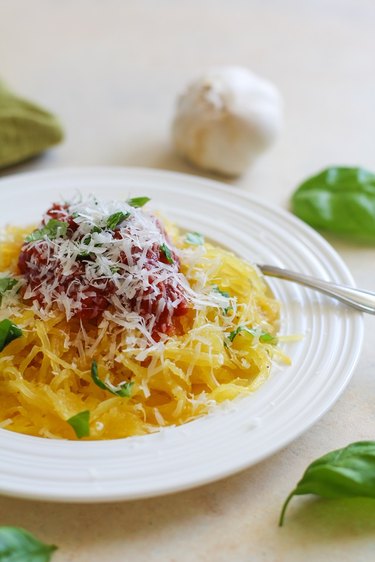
x,y
17,545
8,333
81,423
340,200
344,473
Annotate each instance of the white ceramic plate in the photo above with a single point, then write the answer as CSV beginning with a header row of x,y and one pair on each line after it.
x,y
250,429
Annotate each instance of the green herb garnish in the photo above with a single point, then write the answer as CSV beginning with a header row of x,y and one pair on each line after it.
x,y
194,238
264,337
344,473
123,390
17,545
340,200
53,229
224,294
115,219
138,201
8,333
96,229
6,284
166,252
81,423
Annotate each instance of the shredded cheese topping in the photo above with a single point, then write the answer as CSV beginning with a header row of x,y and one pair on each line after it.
x,y
114,249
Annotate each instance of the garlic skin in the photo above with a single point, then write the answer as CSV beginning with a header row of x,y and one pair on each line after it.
x,y
225,119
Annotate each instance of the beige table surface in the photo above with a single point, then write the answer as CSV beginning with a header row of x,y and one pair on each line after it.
x,y
111,70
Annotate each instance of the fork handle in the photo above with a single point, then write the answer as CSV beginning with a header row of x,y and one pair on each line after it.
x,y
356,298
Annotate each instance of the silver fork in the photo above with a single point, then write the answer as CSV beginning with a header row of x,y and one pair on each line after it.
x,y
356,298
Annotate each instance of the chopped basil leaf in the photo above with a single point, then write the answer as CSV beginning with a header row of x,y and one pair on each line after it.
x,y
167,253
115,268
264,337
81,423
96,229
86,240
115,219
123,390
194,238
138,201
74,215
224,294
6,284
8,333
53,229
17,545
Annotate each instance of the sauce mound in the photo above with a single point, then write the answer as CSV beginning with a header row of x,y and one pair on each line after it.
x,y
87,260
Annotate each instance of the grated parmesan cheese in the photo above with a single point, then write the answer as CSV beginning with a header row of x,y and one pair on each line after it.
x,y
120,268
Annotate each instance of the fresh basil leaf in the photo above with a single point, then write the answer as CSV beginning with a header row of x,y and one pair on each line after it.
x,y
138,201
6,284
343,473
167,253
53,229
17,545
223,293
194,238
123,390
116,219
96,229
8,333
264,337
340,200
81,423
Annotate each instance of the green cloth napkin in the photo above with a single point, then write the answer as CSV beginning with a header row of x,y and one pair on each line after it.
x,y
25,128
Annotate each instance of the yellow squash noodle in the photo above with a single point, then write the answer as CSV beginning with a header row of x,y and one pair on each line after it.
x,y
45,375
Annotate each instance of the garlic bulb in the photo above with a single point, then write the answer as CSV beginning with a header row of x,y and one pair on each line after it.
x,y
225,119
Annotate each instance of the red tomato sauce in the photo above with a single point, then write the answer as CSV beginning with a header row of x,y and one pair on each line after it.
x,y
37,269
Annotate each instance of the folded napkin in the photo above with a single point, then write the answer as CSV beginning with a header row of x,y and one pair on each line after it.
x,y
25,128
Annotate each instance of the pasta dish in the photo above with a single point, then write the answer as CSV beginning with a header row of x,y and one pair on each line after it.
x,y
114,323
